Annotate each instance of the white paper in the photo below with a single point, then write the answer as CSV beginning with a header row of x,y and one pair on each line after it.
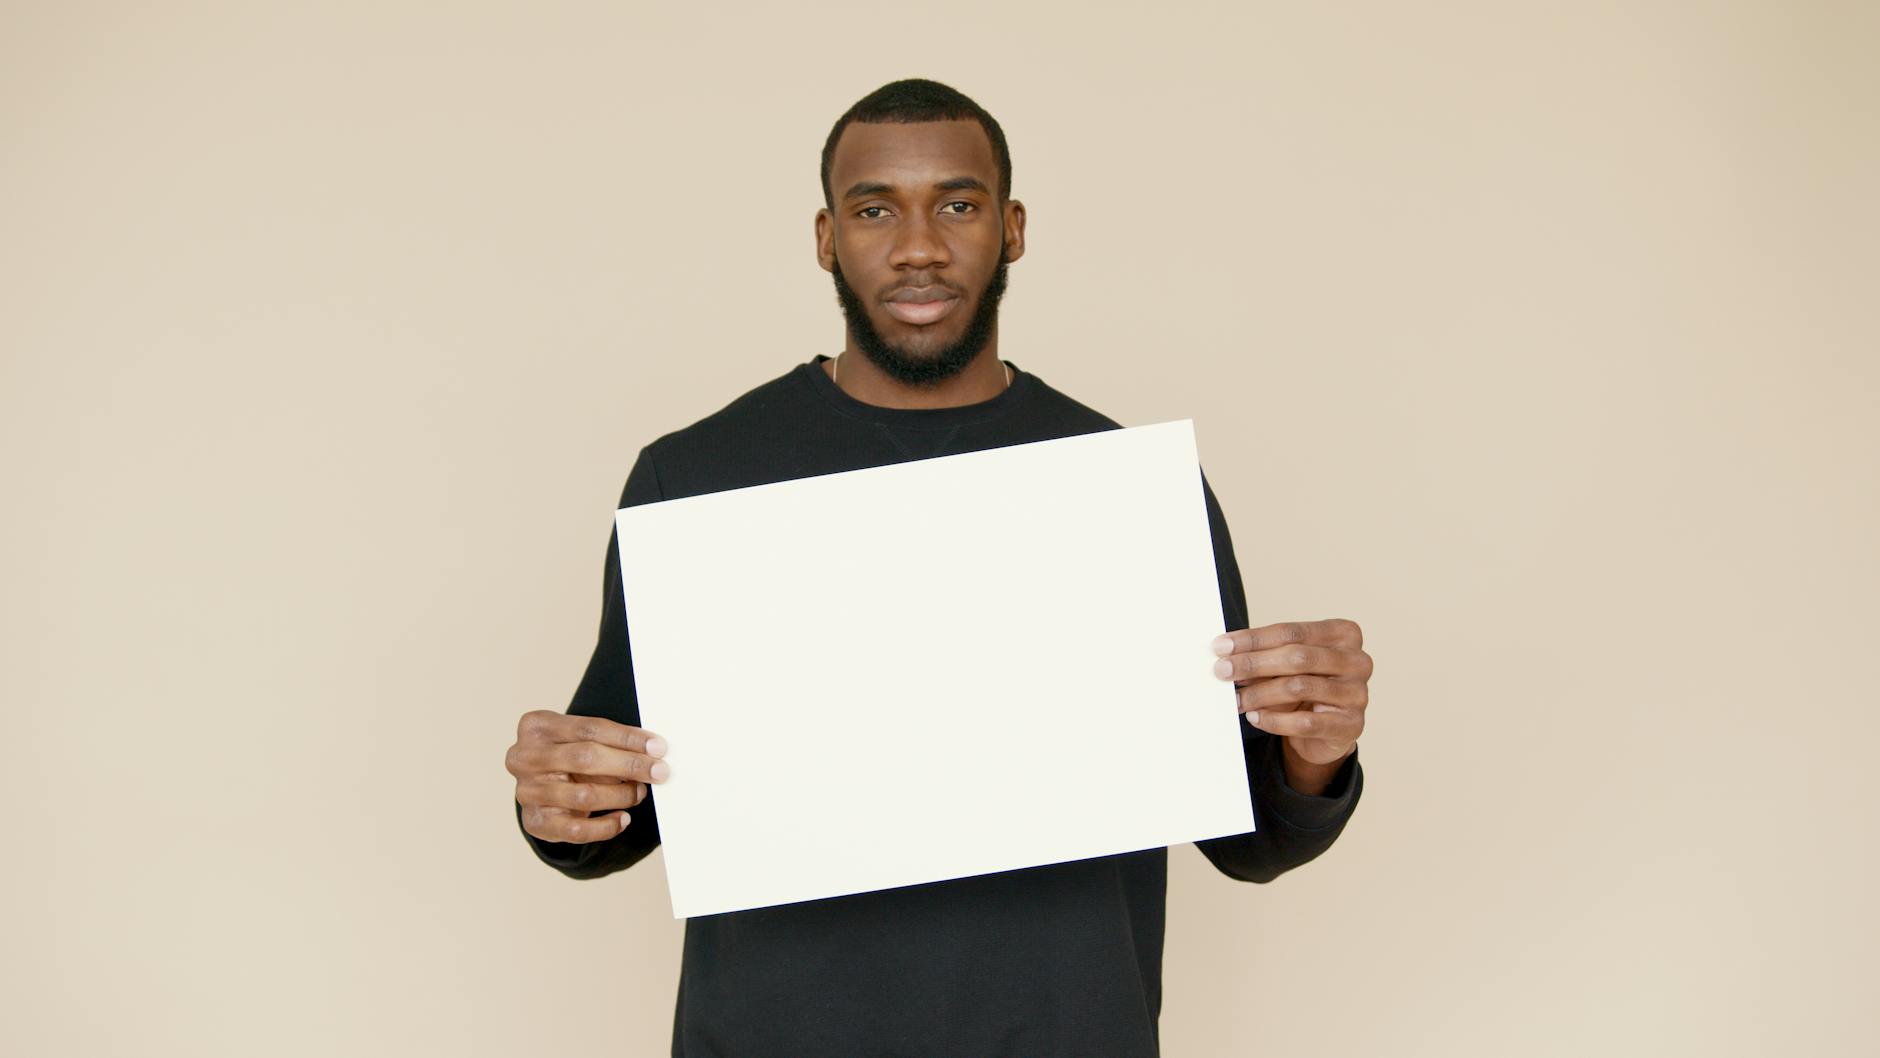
x,y
934,669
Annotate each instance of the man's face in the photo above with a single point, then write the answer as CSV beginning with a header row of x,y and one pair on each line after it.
x,y
918,244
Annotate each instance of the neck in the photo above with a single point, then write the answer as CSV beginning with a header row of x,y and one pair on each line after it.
x,y
983,379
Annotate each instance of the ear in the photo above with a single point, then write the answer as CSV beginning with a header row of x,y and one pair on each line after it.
x,y
1014,230
826,240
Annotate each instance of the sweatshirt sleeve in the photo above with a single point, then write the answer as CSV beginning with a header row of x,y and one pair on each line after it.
x,y
606,690
1290,828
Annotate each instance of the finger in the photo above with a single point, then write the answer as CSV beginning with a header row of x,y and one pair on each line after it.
x,y
1337,632
647,790
586,758
1287,660
1285,693
560,824
582,796
543,725
1325,722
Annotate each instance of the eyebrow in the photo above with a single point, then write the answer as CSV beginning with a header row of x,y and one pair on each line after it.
x,y
957,183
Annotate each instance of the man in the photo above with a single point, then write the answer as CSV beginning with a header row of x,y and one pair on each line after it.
x,y
917,229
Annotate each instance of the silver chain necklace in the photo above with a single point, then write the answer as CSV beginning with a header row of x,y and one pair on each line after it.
x,y
835,371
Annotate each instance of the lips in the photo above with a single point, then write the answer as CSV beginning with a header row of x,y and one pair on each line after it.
x,y
920,306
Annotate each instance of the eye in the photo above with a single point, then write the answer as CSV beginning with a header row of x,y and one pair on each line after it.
x,y
863,212
958,202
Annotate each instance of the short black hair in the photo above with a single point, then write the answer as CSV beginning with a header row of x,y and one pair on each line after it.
x,y
917,99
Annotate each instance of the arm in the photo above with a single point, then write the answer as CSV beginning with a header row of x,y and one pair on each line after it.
x,y
607,690
1290,827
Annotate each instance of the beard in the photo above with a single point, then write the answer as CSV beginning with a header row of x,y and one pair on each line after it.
x,y
929,369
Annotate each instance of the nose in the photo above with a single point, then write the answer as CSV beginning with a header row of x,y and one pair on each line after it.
x,y
917,244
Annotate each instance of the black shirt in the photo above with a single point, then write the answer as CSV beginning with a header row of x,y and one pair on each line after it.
x,y
1064,959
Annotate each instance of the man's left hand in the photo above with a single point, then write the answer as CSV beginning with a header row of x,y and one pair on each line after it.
x,y
1304,680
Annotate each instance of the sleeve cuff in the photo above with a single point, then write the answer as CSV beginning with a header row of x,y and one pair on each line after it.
x,y
1305,811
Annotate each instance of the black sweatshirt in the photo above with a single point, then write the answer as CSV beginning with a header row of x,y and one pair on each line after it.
x,y
1064,959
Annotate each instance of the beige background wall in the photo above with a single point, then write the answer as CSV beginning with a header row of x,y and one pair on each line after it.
x,y
1540,339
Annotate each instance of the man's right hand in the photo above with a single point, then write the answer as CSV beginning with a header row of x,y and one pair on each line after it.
x,y
567,766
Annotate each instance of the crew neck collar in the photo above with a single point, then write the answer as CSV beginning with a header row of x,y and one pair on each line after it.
x,y
916,418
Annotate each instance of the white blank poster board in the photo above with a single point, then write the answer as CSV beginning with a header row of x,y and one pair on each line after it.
x,y
934,669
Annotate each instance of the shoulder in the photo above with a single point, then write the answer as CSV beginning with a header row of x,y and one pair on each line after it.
x,y
1066,413
765,434
771,407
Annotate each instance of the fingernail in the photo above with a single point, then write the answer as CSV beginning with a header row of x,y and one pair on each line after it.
x,y
660,770
624,820
1254,718
1223,668
1224,645
656,747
